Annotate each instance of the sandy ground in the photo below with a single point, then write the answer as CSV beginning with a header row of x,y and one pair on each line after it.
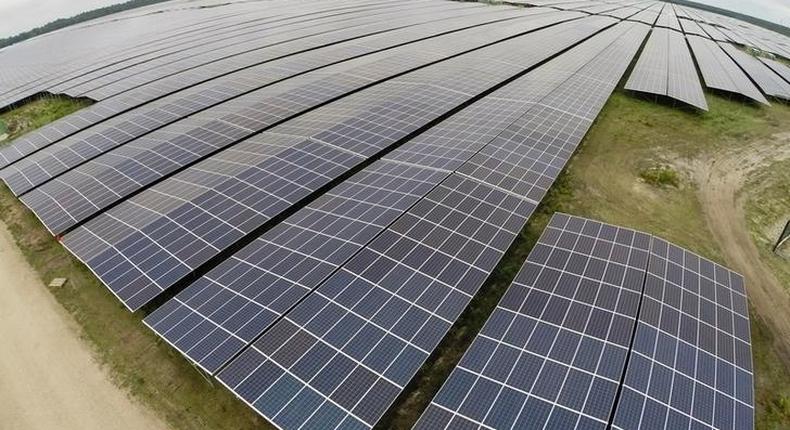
x,y
720,178
48,378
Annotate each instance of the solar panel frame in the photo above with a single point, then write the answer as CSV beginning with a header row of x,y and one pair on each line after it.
x,y
689,362
658,72
406,105
153,91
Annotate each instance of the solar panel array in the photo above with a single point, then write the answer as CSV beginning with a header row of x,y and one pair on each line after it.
x,y
603,326
419,152
295,163
766,79
665,67
378,318
720,72
324,186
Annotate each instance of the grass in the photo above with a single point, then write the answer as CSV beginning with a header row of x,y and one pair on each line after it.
x,y
37,113
767,212
660,176
604,180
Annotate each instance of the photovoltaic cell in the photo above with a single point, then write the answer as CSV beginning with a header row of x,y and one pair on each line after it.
x,y
264,46
552,354
668,19
780,69
692,28
162,87
77,149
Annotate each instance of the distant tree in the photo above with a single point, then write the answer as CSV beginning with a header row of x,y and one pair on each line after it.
x,y
76,19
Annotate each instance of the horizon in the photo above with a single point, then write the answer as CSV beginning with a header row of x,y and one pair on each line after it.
x,y
27,15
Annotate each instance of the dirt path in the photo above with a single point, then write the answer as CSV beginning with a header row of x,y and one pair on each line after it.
x,y
48,378
720,178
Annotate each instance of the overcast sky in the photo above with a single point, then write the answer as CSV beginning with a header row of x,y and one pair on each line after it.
x,y
22,15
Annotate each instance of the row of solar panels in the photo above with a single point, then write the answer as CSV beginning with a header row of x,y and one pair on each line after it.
x,y
607,326
338,195
666,68
684,19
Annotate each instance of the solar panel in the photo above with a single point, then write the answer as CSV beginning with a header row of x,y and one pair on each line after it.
x,y
658,72
713,32
650,72
780,69
341,356
691,364
603,325
46,62
193,205
83,191
554,350
765,78
76,149
201,315
720,72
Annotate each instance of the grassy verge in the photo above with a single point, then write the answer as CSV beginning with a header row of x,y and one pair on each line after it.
x,y
605,180
37,113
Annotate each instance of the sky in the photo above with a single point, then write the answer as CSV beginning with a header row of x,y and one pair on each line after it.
x,y
777,11
23,15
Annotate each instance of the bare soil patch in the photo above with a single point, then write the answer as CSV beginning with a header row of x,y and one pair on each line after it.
x,y
720,178
48,376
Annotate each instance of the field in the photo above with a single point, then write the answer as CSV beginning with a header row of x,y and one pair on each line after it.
x,y
644,165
